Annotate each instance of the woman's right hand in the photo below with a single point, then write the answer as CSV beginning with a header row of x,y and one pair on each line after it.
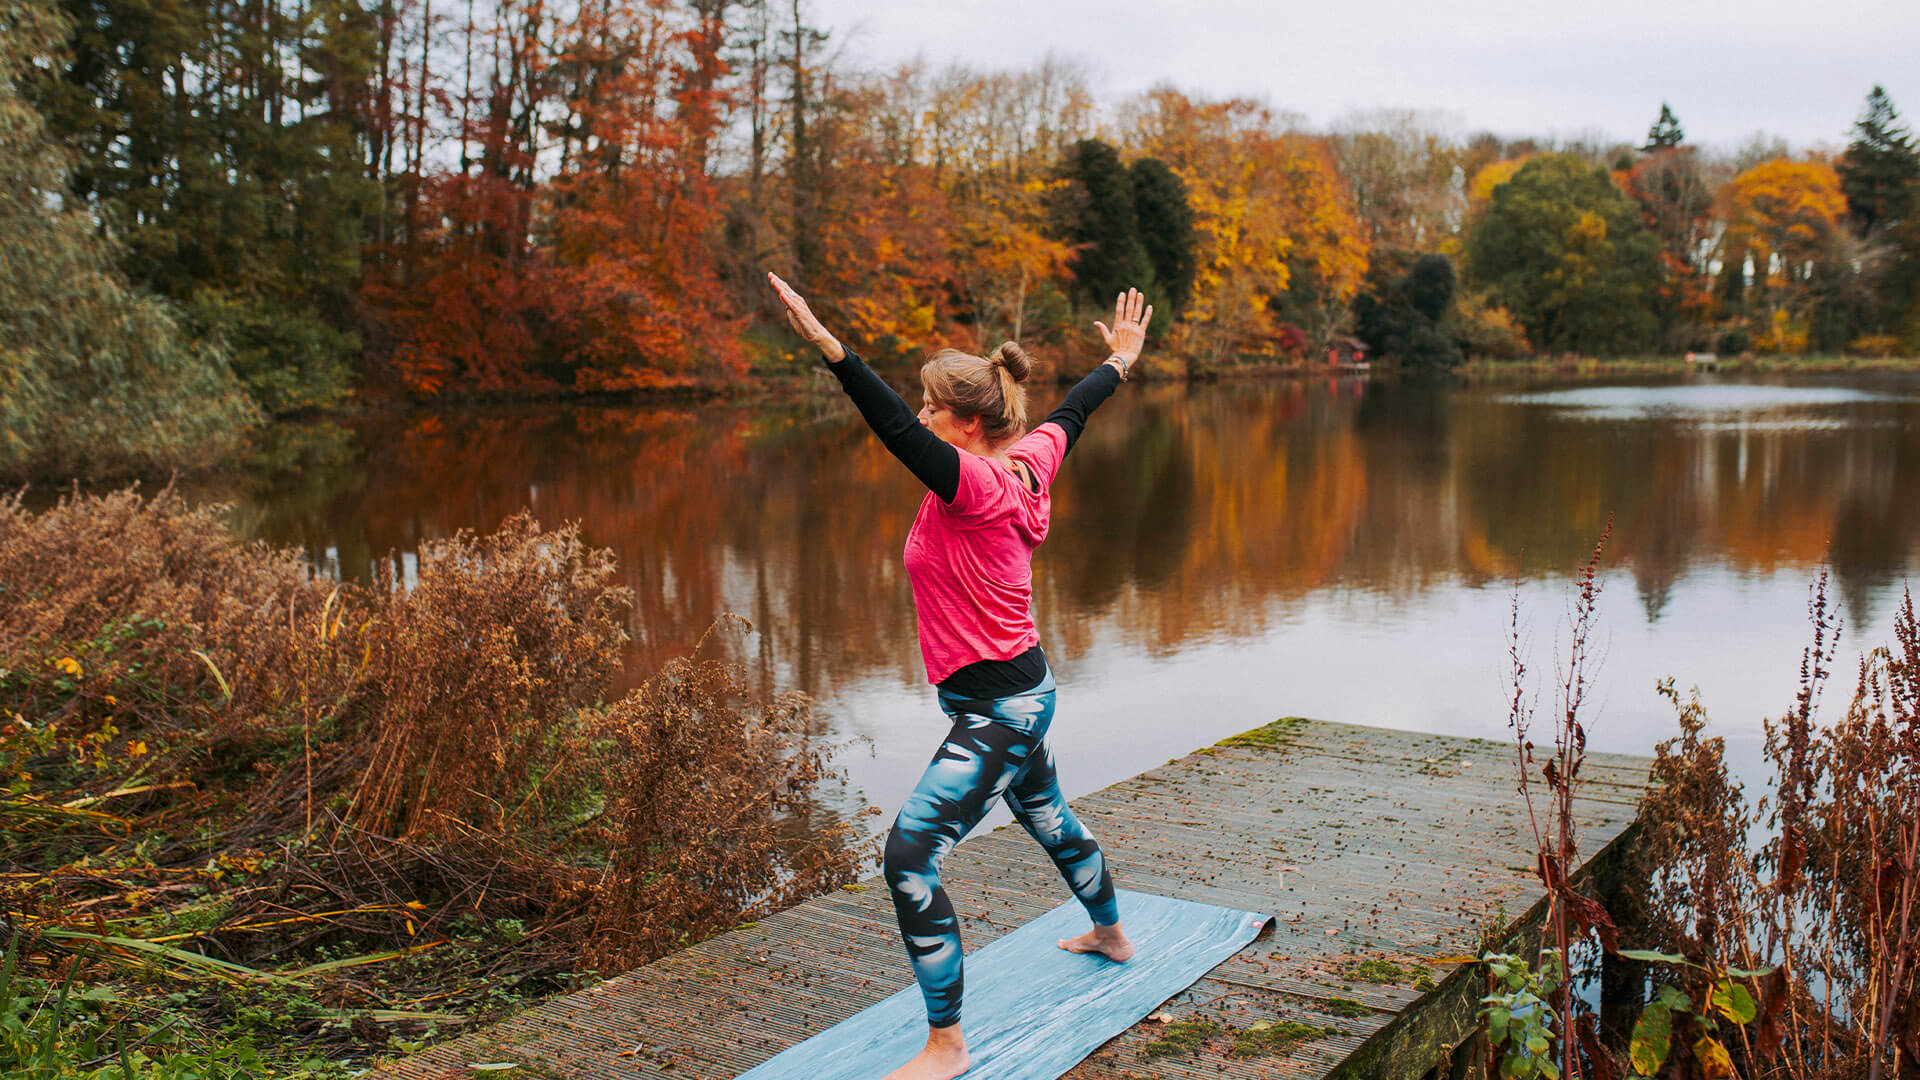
x,y
801,318
1131,314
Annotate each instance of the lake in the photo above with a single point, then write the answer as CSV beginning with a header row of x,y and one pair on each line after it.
x,y
1221,554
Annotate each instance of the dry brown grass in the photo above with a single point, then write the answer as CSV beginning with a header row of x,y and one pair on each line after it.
x,y
190,723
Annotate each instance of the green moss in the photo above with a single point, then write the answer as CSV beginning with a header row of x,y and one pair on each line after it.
x,y
1265,1038
1346,1007
1180,1039
1275,736
1388,972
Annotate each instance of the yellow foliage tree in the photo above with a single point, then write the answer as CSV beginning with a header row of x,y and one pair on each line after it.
x,y
1480,189
1003,259
1276,233
1784,214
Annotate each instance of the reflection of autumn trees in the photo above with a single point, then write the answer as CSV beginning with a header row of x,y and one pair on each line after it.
x,y
1180,515
1760,497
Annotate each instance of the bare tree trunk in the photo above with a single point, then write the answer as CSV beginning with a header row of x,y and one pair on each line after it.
x,y
800,163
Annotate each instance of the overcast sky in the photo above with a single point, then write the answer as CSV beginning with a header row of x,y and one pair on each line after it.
x,y
1799,71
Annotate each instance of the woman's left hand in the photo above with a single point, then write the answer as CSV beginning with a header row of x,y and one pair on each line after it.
x,y
1131,314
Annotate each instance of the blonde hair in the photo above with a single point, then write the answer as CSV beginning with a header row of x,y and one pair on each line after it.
x,y
984,386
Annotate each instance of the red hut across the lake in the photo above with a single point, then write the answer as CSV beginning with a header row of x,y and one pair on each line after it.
x,y
1348,353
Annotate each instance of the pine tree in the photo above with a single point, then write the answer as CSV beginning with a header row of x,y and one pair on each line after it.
x,y
1665,132
1094,213
224,144
1165,223
1881,167
95,376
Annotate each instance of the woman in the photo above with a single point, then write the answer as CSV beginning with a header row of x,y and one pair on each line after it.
x,y
969,556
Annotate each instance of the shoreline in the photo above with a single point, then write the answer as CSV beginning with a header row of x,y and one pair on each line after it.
x,y
1663,365
814,383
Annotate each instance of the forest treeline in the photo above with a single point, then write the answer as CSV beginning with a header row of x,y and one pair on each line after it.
x,y
310,200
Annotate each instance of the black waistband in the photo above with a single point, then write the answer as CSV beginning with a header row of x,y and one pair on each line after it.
x,y
988,679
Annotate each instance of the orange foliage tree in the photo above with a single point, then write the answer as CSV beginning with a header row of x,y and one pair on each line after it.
x,y
931,227
1676,199
880,241
575,245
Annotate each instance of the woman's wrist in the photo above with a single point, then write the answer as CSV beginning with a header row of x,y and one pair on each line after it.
x,y
1121,364
832,350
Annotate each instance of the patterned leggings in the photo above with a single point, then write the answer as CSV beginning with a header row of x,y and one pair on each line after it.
x,y
996,749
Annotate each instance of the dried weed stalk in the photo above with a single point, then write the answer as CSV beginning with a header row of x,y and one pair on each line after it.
x,y
1829,902
1571,915
695,836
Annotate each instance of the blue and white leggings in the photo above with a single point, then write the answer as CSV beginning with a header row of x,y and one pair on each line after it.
x,y
997,749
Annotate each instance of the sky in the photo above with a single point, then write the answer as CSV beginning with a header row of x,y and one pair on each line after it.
x,y
1797,71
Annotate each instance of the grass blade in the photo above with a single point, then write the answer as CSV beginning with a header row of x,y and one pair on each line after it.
x,y
355,961
6,972
186,963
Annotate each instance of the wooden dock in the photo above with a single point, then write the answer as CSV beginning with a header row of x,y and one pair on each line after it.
x,y
1405,849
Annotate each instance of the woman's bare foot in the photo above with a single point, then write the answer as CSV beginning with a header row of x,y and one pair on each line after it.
x,y
1109,941
944,1058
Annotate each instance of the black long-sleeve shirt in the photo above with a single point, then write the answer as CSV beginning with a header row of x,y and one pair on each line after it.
x,y
920,450
937,465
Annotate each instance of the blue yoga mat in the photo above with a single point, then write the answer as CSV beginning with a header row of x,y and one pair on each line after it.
x,y
1034,1010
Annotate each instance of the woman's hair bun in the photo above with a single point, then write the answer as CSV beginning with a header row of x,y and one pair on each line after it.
x,y
1014,358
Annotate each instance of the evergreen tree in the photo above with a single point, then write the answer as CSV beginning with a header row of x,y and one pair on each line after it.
x,y
95,376
1401,312
1429,286
1881,167
1094,213
225,144
1665,132
1165,223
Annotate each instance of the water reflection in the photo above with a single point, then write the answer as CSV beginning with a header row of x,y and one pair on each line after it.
x,y
1190,525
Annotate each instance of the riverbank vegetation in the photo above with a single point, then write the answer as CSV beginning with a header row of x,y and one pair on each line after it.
x,y
352,199
1776,937
254,814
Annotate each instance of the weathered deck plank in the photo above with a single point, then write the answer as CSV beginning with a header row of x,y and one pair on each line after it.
x,y
1366,843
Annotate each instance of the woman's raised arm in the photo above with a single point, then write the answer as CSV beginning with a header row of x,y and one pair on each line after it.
x,y
936,464
1128,335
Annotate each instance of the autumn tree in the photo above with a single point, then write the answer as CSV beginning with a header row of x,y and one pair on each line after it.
x,y
993,140
1400,169
630,267
1564,249
96,375
1277,240
572,244
1675,192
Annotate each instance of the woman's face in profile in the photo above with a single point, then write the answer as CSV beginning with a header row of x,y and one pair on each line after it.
x,y
940,420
